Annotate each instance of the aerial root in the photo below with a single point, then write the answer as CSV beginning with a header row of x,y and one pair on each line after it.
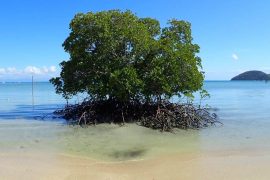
x,y
164,116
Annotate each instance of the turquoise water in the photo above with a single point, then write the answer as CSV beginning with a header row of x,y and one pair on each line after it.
x,y
243,108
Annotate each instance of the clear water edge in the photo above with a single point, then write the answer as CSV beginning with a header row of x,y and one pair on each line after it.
x,y
241,106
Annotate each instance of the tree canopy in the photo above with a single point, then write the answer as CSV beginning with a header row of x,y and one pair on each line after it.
x,y
130,67
118,55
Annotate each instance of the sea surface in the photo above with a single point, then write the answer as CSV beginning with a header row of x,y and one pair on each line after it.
x,y
27,125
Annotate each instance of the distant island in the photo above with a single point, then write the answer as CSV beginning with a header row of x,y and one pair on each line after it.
x,y
252,75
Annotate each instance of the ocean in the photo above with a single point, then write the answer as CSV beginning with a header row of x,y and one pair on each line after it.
x,y
26,125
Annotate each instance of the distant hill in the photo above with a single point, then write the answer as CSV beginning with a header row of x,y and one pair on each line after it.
x,y
252,75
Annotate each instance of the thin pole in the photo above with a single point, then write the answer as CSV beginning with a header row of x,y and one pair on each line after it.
x,y
33,101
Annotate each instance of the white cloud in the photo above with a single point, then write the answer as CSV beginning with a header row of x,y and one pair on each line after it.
x,y
52,69
42,73
11,70
39,71
235,56
2,70
45,69
33,70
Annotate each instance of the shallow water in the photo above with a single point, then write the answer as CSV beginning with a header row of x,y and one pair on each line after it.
x,y
243,108
105,142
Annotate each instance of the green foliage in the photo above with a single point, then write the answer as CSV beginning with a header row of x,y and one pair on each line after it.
x,y
117,55
203,95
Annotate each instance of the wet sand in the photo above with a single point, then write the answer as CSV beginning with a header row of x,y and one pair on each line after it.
x,y
235,165
33,149
50,150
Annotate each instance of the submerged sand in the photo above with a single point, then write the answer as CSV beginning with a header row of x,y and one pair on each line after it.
x,y
51,150
181,166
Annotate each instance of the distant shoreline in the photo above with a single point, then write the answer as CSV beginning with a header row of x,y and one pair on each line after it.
x,y
17,82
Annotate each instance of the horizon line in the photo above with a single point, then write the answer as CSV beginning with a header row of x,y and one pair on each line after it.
x,y
49,82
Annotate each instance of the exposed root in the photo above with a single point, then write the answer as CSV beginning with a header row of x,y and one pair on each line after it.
x,y
164,116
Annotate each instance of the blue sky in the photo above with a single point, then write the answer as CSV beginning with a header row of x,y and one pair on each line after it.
x,y
234,35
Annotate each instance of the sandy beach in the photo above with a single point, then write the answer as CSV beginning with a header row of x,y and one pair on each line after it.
x,y
131,90
235,165
49,150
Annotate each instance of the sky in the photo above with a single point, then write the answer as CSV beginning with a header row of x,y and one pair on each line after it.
x,y
234,35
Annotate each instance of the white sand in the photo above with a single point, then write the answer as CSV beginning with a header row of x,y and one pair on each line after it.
x,y
41,150
236,166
